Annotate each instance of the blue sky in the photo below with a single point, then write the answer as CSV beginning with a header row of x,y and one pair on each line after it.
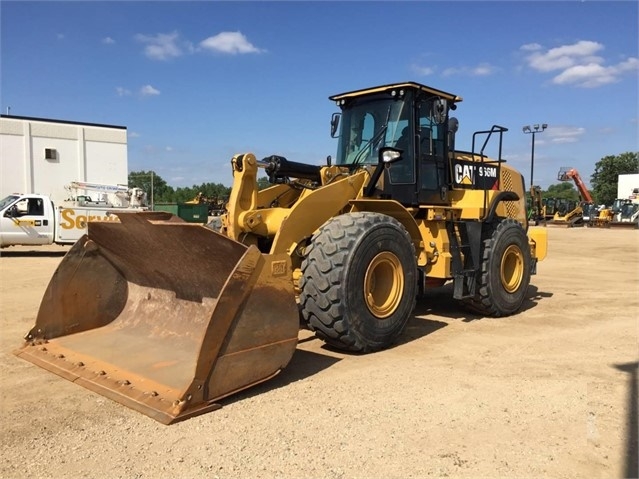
x,y
196,82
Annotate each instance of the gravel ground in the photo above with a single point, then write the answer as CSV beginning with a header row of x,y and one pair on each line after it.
x,y
550,392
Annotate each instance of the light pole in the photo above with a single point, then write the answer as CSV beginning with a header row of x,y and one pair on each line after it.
x,y
533,129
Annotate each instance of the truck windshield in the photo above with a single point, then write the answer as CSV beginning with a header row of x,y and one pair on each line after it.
x,y
6,201
368,125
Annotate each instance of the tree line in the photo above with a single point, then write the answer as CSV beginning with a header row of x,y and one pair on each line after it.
x,y
603,182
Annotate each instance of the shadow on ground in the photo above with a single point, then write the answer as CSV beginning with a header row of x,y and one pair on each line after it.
x,y
631,459
440,302
33,254
436,302
304,364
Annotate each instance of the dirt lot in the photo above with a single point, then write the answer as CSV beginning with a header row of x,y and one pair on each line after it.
x,y
550,392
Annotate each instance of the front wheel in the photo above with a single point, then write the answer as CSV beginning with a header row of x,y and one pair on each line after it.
x,y
359,281
505,271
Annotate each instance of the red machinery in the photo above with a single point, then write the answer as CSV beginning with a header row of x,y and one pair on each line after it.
x,y
574,217
567,174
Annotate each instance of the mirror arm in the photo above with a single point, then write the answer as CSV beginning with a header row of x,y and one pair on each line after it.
x,y
372,184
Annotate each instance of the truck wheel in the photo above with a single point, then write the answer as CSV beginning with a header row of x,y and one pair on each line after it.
x,y
505,271
359,281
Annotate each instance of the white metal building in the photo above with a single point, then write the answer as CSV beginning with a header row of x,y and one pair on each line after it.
x,y
39,155
627,185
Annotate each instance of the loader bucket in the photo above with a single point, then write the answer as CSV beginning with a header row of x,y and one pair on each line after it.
x,y
164,316
624,224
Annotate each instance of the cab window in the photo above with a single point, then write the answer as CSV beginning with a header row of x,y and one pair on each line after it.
x,y
29,207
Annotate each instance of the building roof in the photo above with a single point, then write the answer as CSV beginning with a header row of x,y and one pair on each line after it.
x,y
65,122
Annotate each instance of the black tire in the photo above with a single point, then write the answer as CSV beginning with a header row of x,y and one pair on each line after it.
x,y
505,271
359,282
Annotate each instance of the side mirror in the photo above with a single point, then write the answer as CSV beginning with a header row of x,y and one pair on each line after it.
x,y
440,110
388,155
385,157
334,124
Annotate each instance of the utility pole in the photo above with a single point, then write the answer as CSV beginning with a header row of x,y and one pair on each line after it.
x,y
534,130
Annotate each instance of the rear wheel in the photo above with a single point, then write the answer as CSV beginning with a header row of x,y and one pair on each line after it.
x,y
505,271
359,281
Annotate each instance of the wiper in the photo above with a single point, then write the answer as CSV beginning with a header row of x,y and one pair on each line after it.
x,y
372,142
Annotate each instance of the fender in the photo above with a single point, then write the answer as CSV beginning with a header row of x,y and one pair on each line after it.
x,y
502,196
397,211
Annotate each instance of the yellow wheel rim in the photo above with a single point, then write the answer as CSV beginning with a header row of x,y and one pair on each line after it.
x,y
384,284
512,269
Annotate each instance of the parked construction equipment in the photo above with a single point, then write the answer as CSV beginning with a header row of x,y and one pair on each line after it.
x,y
214,205
625,214
602,219
573,216
536,207
625,210
169,317
590,213
550,208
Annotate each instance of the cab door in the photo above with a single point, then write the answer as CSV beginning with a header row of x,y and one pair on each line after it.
x,y
27,222
432,165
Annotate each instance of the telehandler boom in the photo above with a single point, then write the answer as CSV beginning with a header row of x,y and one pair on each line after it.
x,y
574,216
169,317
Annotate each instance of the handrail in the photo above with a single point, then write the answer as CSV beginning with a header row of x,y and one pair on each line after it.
x,y
495,128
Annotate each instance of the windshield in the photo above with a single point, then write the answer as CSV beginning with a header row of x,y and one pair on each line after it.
x,y
628,209
588,209
7,201
368,125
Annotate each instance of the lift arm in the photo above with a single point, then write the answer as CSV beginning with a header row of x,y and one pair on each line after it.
x,y
567,174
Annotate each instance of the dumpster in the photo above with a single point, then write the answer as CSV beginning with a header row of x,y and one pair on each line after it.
x,y
194,213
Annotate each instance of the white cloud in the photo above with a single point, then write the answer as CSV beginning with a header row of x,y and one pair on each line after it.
x,y
629,65
422,71
163,46
168,148
483,69
133,134
578,63
565,134
108,41
589,76
148,90
229,42
530,47
565,56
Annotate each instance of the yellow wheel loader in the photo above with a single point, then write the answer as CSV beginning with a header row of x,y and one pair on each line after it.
x,y
169,317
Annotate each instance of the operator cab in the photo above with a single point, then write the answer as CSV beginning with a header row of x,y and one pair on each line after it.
x,y
409,117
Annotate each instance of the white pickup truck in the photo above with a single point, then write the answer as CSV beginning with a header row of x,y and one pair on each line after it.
x,y
31,219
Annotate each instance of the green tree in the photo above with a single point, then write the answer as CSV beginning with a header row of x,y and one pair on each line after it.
x,y
263,183
153,184
563,190
213,191
184,193
606,176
